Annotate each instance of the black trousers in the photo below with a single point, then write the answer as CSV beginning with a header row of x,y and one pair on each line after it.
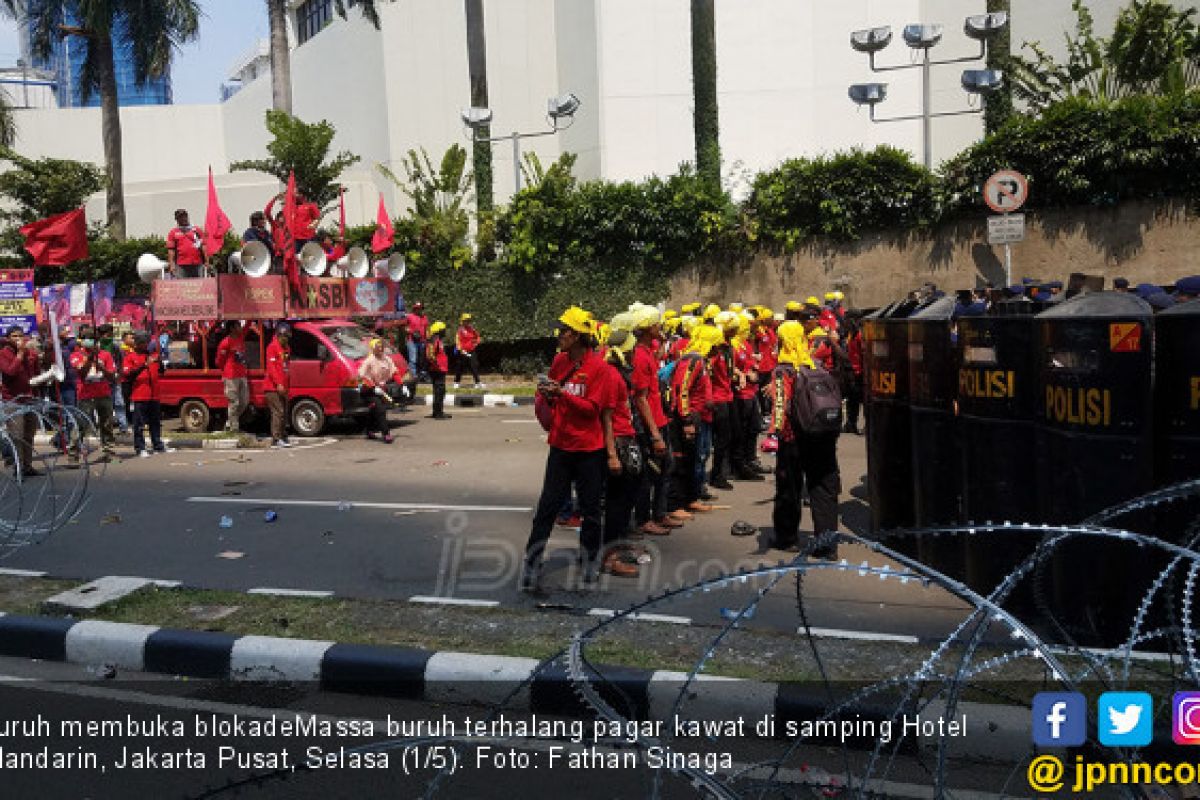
x,y
686,490
722,428
438,381
466,360
654,489
620,492
146,413
749,421
854,399
566,469
810,461
377,417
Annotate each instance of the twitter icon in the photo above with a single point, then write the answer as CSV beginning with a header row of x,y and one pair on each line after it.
x,y
1125,719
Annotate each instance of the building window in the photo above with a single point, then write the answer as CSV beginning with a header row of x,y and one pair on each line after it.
x,y
311,17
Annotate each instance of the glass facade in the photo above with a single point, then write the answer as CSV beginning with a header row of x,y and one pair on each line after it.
x,y
66,64
313,15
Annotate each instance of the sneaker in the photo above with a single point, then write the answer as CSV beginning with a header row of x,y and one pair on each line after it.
x,y
531,578
748,475
279,444
143,454
720,483
285,443
371,435
388,439
575,521
481,386
165,449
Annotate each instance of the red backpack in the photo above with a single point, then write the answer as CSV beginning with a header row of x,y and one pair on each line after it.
x,y
816,402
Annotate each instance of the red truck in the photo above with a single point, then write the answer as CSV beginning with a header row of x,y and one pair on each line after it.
x,y
323,373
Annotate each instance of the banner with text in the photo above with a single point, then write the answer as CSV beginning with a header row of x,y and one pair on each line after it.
x,y
320,298
186,299
17,305
370,297
243,297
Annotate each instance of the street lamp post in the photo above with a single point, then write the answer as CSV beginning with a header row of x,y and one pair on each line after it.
x,y
925,37
560,114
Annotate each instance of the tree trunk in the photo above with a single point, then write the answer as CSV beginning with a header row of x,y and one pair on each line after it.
x,y
477,69
704,93
1000,104
110,124
281,57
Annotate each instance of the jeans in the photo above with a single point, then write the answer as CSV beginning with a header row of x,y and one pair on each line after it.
x,y
119,407
703,448
100,410
466,360
810,461
653,498
147,413
237,392
564,469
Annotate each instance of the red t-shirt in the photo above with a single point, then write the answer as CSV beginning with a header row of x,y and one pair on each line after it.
x,y
690,388
746,363
186,244
146,384
576,424
855,350
231,357
277,366
721,376
622,418
468,339
418,326
95,384
306,219
645,376
677,347
435,355
764,342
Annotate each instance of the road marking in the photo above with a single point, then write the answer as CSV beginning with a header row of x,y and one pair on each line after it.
x,y
452,601
520,422
288,592
357,504
866,636
22,573
640,617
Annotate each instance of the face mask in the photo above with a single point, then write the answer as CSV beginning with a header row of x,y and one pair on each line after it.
x,y
88,342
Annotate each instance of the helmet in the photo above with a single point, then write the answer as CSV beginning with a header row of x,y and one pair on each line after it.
x,y
794,305
812,301
465,318
577,320
711,310
437,328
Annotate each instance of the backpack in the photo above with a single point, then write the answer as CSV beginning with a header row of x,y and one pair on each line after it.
x,y
816,402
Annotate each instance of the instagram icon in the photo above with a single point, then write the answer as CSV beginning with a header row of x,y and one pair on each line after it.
x,y
1185,718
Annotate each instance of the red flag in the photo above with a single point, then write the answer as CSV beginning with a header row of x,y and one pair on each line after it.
x,y
384,236
290,265
216,224
58,240
342,214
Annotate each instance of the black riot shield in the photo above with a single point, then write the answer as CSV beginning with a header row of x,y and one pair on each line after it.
x,y
889,433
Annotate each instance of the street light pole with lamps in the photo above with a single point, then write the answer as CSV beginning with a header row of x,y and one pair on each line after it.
x,y
924,37
560,112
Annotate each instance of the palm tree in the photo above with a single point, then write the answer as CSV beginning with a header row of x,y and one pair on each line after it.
x,y
477,69
999,105
281,59
8,123
704,93
151,29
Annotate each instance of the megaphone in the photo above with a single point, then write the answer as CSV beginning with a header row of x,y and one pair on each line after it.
x,y
151,268
355,263
255,259
312,260
394,266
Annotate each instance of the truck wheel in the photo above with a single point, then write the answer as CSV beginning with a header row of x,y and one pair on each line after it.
x,y
195,416
308,418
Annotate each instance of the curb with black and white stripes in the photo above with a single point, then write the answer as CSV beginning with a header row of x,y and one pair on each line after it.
x,y
463,678
478,400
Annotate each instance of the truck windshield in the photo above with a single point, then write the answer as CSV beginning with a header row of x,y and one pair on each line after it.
x,y
350,340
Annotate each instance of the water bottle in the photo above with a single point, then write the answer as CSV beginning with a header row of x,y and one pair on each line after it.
x,y
226,522
270,516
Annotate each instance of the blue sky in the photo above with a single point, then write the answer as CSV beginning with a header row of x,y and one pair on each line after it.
x,y
228,29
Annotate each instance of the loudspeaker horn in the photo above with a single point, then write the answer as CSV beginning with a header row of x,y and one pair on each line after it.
x,y
255,259
312,260
151,268
394,266
357,264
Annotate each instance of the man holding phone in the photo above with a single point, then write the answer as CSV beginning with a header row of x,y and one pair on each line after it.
x,y
97,371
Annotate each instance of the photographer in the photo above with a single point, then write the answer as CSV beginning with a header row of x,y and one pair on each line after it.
x,y
231,360
97,372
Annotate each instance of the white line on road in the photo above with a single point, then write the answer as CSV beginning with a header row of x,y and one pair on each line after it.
x,y
268,501
288,592
452,601
866,636
520,422
640,617
22,573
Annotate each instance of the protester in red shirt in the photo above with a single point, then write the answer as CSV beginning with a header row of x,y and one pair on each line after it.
x,y
576,392
20,362
720,362
745,403
96,371
304,228
854,384
653,510
466,342
690,396
625,465
437,362
231,360
185,248
275,388
142,371
418,330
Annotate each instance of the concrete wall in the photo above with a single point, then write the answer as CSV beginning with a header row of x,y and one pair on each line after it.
x,y
1143,242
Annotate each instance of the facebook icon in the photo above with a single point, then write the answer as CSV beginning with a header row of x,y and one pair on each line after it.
x,y
1059,719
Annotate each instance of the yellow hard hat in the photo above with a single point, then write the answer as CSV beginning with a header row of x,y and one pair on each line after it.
x,y
670,313
577,320
711,310
437,328
793,345
601,331
703,339
794,305
622,322
812,301
645,317
465,318
621,340
727,321
690,308
765,314
736,307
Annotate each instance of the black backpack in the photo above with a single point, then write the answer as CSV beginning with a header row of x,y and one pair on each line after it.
x,y
816,402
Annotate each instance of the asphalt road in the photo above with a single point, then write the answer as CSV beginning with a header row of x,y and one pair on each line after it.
x,y
444,511
136,735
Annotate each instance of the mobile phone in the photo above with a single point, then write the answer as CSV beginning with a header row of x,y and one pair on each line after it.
x,y
542,378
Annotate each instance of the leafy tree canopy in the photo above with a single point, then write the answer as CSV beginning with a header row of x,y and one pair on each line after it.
x,y
302,148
